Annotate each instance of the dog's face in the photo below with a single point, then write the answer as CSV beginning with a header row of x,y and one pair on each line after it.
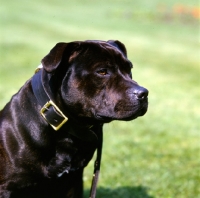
x,y
95,81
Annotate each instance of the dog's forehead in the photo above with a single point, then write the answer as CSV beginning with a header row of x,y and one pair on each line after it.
x,y
102,44
103,50
98,53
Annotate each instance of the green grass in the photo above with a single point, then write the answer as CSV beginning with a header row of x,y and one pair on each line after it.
x,y
155,156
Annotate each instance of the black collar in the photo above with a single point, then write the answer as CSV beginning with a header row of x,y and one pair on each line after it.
x,y
49,110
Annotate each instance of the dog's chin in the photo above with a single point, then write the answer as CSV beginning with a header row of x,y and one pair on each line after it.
x,y
103,118
134,115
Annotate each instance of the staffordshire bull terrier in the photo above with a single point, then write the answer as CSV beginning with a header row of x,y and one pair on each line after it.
x,y
50,129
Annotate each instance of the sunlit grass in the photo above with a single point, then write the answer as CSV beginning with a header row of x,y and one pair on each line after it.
x,y
157,155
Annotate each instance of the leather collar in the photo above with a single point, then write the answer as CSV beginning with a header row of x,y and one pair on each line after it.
x,y
49,110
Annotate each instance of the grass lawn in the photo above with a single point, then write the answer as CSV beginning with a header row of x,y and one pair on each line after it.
x,y
155,156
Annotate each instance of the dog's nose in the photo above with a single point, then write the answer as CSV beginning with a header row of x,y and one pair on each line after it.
x,y
141,93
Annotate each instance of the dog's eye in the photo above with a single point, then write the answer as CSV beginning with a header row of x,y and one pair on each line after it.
x,y
102,72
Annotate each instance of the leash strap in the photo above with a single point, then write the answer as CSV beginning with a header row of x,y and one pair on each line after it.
x,y
97,164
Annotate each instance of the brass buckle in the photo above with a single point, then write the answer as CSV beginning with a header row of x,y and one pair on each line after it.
x,y
45,108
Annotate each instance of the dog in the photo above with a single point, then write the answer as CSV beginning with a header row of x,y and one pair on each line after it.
x,y
49,130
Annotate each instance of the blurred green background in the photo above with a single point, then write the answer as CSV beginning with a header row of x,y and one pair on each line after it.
x,y
155,156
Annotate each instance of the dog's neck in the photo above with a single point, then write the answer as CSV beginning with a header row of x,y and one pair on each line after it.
x,y
43,87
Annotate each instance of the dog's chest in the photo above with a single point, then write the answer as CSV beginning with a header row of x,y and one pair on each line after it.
x,y
70,155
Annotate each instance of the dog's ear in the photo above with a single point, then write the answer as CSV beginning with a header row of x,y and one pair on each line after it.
x,y
60,51
120,46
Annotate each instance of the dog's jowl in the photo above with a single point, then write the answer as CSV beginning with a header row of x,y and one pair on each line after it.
x,y
50,129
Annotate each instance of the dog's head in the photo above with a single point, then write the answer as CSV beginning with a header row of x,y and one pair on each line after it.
x,y
93,80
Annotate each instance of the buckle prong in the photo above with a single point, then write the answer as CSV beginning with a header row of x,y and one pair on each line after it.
x,y
45,108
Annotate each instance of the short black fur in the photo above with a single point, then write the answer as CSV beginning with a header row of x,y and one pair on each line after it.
x,y
91,83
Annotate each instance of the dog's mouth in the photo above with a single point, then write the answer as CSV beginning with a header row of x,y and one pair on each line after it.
x,y
126,113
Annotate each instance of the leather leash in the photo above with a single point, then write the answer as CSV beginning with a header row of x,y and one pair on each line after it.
x,y
54,116
97,164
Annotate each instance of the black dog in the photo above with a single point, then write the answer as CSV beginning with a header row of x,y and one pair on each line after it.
x,y
50,128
